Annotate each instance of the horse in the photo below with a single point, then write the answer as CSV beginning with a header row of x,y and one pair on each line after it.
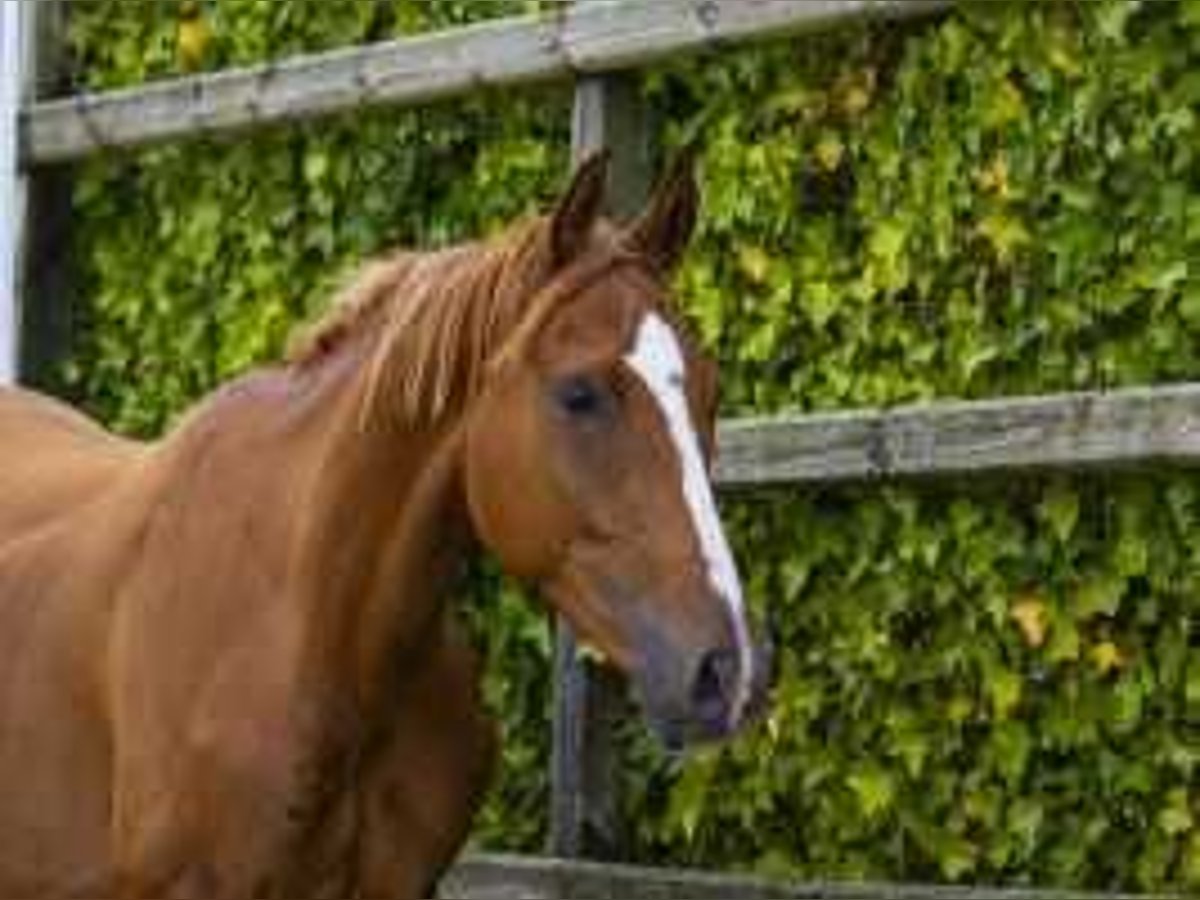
x,y
228,667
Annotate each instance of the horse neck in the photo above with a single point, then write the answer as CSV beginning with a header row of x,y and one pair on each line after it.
x,y
388,518
384,527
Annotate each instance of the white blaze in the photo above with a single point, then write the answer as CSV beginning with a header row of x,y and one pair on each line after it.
x,y
657,359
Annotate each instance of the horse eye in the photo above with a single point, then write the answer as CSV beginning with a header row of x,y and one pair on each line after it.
x,y
580,396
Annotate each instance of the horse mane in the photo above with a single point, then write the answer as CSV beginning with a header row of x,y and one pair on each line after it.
x,y
435,317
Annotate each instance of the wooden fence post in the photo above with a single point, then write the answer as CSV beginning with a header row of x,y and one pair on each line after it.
x,y
44,261
608,113
11,189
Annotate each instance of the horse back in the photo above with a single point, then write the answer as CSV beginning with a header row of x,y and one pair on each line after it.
x,y
52,460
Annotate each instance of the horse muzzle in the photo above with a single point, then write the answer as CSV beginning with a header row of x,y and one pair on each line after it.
x,y
701,697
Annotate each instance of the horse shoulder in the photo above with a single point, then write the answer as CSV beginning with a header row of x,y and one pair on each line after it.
x,y
213,773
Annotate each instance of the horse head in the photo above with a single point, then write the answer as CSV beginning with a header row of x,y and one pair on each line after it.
x,y
588,455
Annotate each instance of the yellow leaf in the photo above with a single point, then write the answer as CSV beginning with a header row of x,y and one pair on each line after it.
x,y
959,709
994,176
193,38
754,262
1004,234
854,92
855,100
829,153
1030,616
1107,657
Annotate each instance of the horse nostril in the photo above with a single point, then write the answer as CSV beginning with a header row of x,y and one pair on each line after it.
x,y
712,689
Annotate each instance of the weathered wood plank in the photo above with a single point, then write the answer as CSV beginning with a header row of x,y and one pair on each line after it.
x,y
45,273
592,38
1134,426
529,878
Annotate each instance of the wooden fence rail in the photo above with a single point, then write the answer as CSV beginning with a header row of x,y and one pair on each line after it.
x,y
568,41
1134,426
529,878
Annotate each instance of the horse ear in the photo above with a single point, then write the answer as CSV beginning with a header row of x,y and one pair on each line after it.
x,y
663,230
577,211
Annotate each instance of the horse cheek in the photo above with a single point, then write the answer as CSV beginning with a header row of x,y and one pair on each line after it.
x,y
516,510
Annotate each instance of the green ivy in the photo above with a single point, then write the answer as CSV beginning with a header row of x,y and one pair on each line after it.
x,y
990,681
920,731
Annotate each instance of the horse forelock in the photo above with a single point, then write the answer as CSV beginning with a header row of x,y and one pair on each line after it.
x,y
436,321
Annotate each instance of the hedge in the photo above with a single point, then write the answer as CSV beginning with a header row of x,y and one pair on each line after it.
x,y
995,680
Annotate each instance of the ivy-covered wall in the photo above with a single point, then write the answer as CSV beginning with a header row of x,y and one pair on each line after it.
x,y
988,681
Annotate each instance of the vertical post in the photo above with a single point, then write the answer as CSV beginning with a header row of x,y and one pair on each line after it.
x,y
43,261
12,213
608,113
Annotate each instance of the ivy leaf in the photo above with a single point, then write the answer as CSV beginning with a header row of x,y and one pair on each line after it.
x,y
887,242
820,303
1030,616
1011,745
754,262
1099,595
316,165
1176,818
1024,820
829,152
689,795
1005,234
1004,692
874,789
1060,510
1107,657
1006,105
1132,555
1189,304
955,857
1065,642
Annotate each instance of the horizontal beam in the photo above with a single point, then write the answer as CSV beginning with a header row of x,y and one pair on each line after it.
x,y
1135,426
579,39
531,878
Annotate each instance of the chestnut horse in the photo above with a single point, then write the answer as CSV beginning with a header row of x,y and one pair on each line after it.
x,y
227,668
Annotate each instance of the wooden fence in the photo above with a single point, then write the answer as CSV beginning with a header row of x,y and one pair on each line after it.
x,y
529,878
596,42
